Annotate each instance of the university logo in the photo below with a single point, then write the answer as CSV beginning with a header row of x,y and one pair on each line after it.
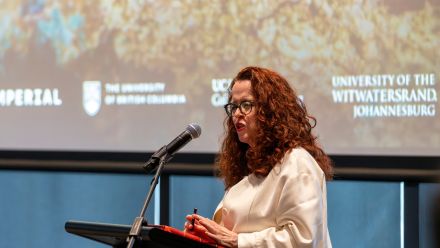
x,y
92,97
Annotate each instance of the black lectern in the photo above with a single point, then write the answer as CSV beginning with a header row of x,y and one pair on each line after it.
x,y
140,234
116,235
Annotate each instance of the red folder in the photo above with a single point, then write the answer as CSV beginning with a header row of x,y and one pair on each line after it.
x,y
151,236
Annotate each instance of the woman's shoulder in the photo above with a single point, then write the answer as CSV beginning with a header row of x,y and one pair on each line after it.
x,y
298,154
300,161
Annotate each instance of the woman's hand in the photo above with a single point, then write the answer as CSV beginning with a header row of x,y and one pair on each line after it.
x,y
205,227
197,229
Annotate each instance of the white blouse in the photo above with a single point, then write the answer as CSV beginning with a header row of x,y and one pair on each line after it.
x,y
287,208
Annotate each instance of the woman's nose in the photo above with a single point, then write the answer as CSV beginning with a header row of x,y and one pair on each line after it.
x,y
236,113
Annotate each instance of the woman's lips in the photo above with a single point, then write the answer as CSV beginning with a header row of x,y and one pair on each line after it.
x,y
239,127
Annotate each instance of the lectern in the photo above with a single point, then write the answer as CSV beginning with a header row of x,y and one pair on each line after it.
x,y
152,236
140,234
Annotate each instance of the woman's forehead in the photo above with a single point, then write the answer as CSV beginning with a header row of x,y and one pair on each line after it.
x,y
241,89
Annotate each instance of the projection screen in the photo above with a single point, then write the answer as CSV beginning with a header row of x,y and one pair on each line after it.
x,y
128,76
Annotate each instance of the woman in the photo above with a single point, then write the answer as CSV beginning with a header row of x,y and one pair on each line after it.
x,y
273,168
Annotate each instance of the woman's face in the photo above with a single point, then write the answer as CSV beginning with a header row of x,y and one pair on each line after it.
x,y
245,124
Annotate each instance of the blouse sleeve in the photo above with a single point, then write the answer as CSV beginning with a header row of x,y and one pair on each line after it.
x,y
301,213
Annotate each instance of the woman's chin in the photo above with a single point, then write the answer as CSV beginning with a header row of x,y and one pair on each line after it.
x,y
244,140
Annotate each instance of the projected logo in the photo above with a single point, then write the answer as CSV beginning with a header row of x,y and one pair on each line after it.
x,y
92,97
220,88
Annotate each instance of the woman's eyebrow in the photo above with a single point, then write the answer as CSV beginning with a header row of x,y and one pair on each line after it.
x,y
241,100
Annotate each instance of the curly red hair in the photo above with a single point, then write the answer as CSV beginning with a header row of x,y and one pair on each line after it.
x,y
283,124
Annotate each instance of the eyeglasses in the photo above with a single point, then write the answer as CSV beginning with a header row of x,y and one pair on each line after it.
x,y
245,107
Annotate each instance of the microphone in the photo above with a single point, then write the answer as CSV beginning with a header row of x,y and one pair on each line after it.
x,y
192,131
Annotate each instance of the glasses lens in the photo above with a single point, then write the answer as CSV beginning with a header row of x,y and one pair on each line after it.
x,y
229,108
246,107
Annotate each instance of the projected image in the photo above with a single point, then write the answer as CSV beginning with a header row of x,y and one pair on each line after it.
x,y
130,75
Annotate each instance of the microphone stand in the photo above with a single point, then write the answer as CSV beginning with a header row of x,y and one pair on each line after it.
x,y
140,221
